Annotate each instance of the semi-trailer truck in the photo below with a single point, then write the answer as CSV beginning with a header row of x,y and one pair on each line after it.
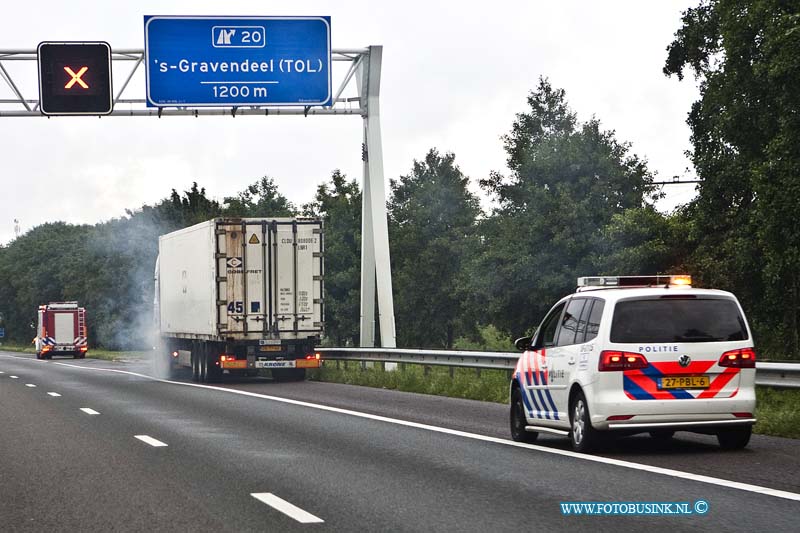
x,y
238,295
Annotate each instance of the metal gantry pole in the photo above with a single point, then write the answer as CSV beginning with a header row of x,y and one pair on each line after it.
x,y
375,236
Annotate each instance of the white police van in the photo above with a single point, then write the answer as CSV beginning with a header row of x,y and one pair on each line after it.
x,y
633,354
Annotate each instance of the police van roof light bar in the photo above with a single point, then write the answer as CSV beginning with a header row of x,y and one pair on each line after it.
x,y
677,280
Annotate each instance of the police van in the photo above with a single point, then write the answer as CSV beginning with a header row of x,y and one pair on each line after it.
x,y
634,354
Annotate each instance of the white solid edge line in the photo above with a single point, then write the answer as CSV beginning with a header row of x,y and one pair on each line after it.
x,y
54,394
89,411
565,453
287,508
151,441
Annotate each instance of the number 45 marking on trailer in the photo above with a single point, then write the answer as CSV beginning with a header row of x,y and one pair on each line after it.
x,y
236,308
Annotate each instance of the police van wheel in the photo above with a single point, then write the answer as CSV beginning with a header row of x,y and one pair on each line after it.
x,y
582,435
517,420
734,439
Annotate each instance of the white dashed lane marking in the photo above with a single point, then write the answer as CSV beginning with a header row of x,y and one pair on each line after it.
x,y
14,377
30,385
287,508
54,394
89,411
151,441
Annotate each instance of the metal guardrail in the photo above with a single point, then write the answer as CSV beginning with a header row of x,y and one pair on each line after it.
x,y
783,375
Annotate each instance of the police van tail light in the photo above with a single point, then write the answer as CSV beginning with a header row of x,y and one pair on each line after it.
x,y
744,358
612,360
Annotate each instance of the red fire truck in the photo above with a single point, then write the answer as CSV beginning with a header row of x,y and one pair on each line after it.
x,y
61,330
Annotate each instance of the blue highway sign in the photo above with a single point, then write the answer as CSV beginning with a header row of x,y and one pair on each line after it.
x,y
237,61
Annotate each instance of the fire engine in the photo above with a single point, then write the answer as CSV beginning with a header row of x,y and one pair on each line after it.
x,y
61,330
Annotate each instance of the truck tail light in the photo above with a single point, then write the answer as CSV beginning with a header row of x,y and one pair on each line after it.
x,y
226,357
312,356
46,348
613,360
175,353
744,358
84,348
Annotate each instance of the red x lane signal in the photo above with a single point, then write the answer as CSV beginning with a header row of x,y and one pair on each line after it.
x,y
75,78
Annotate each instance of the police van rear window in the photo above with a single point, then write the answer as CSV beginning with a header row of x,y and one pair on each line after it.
x,y
677,320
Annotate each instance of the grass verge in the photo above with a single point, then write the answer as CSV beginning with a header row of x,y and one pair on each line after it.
x,y
94,353
488,385
778,409
778,412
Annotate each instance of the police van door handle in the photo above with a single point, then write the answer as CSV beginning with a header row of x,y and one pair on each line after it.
x,y
571,361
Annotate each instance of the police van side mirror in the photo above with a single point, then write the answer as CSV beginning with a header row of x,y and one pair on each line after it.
x,y
523,343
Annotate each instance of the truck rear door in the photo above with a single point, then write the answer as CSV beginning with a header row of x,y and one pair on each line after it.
x,y
273,277
297,272
65,326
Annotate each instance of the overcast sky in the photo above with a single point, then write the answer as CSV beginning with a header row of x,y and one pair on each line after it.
x,y
454,75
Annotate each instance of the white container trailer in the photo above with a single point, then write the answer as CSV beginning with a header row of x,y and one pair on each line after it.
x,y
239,295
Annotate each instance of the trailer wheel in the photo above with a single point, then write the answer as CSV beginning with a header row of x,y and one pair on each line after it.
x,y
202,363
213,371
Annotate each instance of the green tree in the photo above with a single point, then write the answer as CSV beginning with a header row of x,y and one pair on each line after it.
x,y
642,240
34,269
745,137
338,204
261,199
190,208
567,182
432,219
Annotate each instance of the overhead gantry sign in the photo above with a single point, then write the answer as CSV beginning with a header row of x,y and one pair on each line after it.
x,y
198,66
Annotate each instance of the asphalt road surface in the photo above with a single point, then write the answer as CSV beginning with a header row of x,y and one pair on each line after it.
x,y
89,445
